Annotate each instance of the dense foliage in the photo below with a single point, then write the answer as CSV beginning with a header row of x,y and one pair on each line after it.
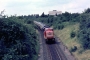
x,y
18,40
84,32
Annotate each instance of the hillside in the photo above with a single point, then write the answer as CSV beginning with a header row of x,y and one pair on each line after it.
x,y
72,42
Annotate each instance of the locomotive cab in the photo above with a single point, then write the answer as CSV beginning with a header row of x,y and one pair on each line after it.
x,y
49,34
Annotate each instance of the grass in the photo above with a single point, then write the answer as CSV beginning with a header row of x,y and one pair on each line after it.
x,y
64,35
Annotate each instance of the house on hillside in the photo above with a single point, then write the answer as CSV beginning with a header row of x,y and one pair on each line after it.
x,y
55,12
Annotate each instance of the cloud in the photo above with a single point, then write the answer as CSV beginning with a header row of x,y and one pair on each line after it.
x,y
76,5
2,5
22,6
25,7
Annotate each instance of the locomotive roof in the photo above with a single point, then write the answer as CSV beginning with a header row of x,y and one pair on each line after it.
x,y
48,28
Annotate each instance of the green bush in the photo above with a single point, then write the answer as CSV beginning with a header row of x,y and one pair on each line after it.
x,y
61,26
72,34
73,49
17,40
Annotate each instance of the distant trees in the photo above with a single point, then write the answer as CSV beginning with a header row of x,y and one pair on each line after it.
x,y
87,10
43,15
67,16
56,21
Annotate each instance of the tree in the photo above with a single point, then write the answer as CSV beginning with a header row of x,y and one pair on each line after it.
x,y
66,16
43,15
84,32
87,10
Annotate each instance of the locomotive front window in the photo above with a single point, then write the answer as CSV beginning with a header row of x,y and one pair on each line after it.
x,y
49,33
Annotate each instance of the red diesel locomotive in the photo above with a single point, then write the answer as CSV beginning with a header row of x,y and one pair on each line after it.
x,y
49,35
48,32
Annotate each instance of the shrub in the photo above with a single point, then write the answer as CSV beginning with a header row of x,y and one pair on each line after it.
x,y
73,49
61,26
17,41
72,34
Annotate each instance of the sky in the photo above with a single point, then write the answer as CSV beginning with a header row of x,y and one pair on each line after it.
x,y
28,7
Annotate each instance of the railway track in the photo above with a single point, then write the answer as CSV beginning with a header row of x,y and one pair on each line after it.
x,y
51,51
55,52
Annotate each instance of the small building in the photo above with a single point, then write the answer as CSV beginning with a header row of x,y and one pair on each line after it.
x,y
54,12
